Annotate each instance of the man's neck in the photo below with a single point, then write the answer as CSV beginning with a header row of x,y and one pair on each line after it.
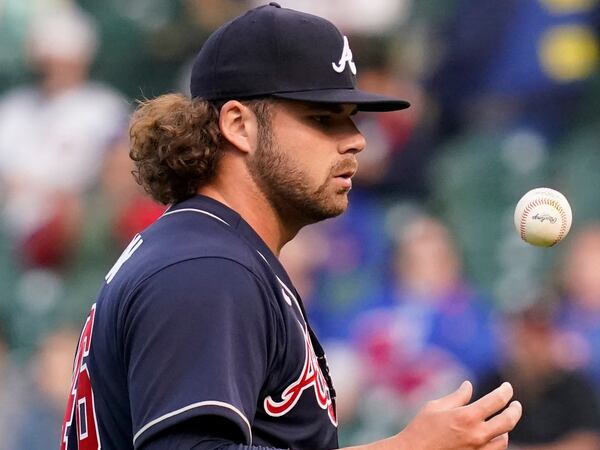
x,y
256,210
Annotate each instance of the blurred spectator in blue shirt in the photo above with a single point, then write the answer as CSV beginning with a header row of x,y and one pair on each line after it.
x,y
434,332
434,307
349,276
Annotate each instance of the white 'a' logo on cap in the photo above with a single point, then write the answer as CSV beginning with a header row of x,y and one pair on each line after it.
x,y
345,58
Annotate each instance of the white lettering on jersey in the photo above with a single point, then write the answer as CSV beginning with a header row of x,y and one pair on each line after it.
x,y
286,292
345,58
131,248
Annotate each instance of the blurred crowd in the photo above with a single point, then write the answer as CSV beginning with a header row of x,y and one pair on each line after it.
x,y
421,284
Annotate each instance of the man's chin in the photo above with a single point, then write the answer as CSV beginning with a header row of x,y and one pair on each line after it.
x,y
341,204
332,210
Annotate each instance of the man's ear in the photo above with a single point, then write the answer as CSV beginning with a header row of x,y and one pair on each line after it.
x,y
239,126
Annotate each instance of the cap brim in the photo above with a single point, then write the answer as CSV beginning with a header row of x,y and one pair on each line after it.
x,y
365,101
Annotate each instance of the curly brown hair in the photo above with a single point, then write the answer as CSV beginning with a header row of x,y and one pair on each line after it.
x,y
176,144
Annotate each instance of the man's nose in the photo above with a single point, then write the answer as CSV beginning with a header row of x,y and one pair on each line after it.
x,y
354,142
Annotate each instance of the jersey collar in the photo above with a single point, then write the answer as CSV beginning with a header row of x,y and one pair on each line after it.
x,y
236,222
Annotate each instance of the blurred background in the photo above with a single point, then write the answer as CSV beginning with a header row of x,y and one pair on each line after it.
x,y
422,283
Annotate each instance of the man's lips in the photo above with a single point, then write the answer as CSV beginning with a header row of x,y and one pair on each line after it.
x,y
344,175
345,170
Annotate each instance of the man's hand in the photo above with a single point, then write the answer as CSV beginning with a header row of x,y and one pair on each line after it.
x,y
451,423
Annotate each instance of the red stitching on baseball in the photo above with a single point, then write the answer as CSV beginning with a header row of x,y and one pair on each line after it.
x,y
539,202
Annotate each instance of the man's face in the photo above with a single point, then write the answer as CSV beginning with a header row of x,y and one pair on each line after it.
x,y
305,161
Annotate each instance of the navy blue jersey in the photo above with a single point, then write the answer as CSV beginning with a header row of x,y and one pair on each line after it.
x,y
198,318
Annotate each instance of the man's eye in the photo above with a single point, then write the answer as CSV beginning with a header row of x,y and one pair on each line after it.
x,y
322,119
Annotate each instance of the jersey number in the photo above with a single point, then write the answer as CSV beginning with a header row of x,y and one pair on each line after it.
x,y
80,404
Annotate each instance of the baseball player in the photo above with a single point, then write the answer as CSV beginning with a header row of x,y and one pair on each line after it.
x,y
198,338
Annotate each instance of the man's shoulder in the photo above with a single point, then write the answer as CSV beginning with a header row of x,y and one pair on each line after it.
x,y
178,238
188,235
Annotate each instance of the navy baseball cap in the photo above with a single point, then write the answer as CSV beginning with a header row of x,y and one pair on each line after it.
x,y
283,53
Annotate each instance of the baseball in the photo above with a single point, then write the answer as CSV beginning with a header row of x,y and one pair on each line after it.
x,y
543,217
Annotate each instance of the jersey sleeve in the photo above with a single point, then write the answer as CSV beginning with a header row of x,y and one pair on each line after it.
x,y
211,433
197,340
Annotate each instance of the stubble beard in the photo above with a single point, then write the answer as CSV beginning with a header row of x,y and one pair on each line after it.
x,y
286,189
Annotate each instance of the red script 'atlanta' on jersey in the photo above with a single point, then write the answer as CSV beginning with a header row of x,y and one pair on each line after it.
x,y
311,376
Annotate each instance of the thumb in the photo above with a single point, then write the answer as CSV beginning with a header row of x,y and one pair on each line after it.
x,y
459,397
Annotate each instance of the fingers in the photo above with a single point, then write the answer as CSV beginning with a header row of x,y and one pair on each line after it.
x,y
451,422
459,397
498,443
506,420
493,402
